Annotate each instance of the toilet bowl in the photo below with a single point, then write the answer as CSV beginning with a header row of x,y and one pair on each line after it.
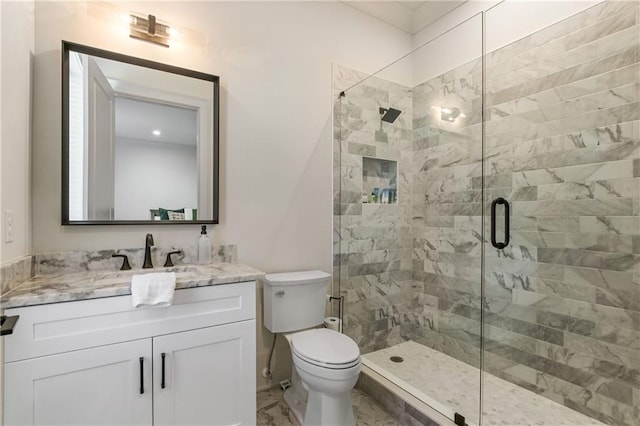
x,y
328,364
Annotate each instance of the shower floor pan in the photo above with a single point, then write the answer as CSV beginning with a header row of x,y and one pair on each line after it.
x,y
450,386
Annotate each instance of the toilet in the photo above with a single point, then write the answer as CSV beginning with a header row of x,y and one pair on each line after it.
x,y
326,363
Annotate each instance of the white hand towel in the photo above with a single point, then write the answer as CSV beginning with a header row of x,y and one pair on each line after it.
x,y
153,290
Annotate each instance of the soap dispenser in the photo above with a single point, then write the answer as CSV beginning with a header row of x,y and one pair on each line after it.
x,y
204,247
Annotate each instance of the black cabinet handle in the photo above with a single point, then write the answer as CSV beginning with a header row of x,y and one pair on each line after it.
x,y
7,324
141,375
494,204
162,384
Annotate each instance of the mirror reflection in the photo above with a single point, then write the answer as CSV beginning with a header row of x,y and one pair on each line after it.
x,y
141,141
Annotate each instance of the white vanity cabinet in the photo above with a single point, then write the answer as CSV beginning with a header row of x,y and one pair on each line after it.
x,y
206,376
97,386
101,362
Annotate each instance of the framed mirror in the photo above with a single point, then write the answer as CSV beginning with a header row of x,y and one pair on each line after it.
x,y
139,141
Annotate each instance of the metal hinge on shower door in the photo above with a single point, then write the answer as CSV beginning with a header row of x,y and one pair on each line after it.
x,y
459,419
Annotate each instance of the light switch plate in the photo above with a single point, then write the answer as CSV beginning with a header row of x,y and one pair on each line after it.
x,y
9,226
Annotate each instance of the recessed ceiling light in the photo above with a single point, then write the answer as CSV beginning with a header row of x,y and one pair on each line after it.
x,y
156,132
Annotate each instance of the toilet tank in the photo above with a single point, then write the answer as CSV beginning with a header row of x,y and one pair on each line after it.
x,y
294,300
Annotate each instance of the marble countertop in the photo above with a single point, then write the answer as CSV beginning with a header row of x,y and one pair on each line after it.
x,y
67,287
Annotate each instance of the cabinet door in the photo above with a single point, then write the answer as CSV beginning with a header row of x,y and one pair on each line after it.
x,y
210,376
98,386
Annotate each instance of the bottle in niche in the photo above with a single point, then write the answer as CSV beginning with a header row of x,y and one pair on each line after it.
x,y
374,196
384,198
204,247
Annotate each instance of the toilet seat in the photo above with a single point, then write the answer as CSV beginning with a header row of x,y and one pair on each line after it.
x,y
325,348
328,366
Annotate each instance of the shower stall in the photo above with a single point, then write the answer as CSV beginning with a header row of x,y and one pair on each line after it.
x,y
487,220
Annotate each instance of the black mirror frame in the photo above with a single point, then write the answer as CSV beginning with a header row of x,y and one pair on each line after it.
x,y
70,46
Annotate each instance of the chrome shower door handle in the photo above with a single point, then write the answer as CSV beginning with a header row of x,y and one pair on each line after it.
x,y
494,204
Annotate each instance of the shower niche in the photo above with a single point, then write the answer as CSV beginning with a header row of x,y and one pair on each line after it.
x,y
379,181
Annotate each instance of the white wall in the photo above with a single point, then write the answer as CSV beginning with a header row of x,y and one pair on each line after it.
x,y
512,20
170,178
456,46
17,40
274,60
16,47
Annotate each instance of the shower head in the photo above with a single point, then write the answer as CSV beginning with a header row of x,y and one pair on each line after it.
x,y
389,115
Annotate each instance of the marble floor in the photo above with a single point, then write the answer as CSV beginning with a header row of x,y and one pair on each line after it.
x,y
273,411
449,386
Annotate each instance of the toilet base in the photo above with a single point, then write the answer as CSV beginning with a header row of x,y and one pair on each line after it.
x,y
310,412
340,413
295,404
296,395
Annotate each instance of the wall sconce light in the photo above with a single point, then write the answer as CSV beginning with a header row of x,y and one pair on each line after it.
x,y
137,25
149,29
449,114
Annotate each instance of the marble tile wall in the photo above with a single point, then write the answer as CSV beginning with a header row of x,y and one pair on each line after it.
x,y
562,144
446,206
372,243
562,305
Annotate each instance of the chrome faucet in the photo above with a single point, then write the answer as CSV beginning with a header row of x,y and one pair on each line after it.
x,y
147,251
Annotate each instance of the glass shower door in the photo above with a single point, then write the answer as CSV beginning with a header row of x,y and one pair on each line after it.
x,y
408,219
561,300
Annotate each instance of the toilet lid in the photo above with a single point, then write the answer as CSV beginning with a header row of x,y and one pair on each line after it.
x,y
325,346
